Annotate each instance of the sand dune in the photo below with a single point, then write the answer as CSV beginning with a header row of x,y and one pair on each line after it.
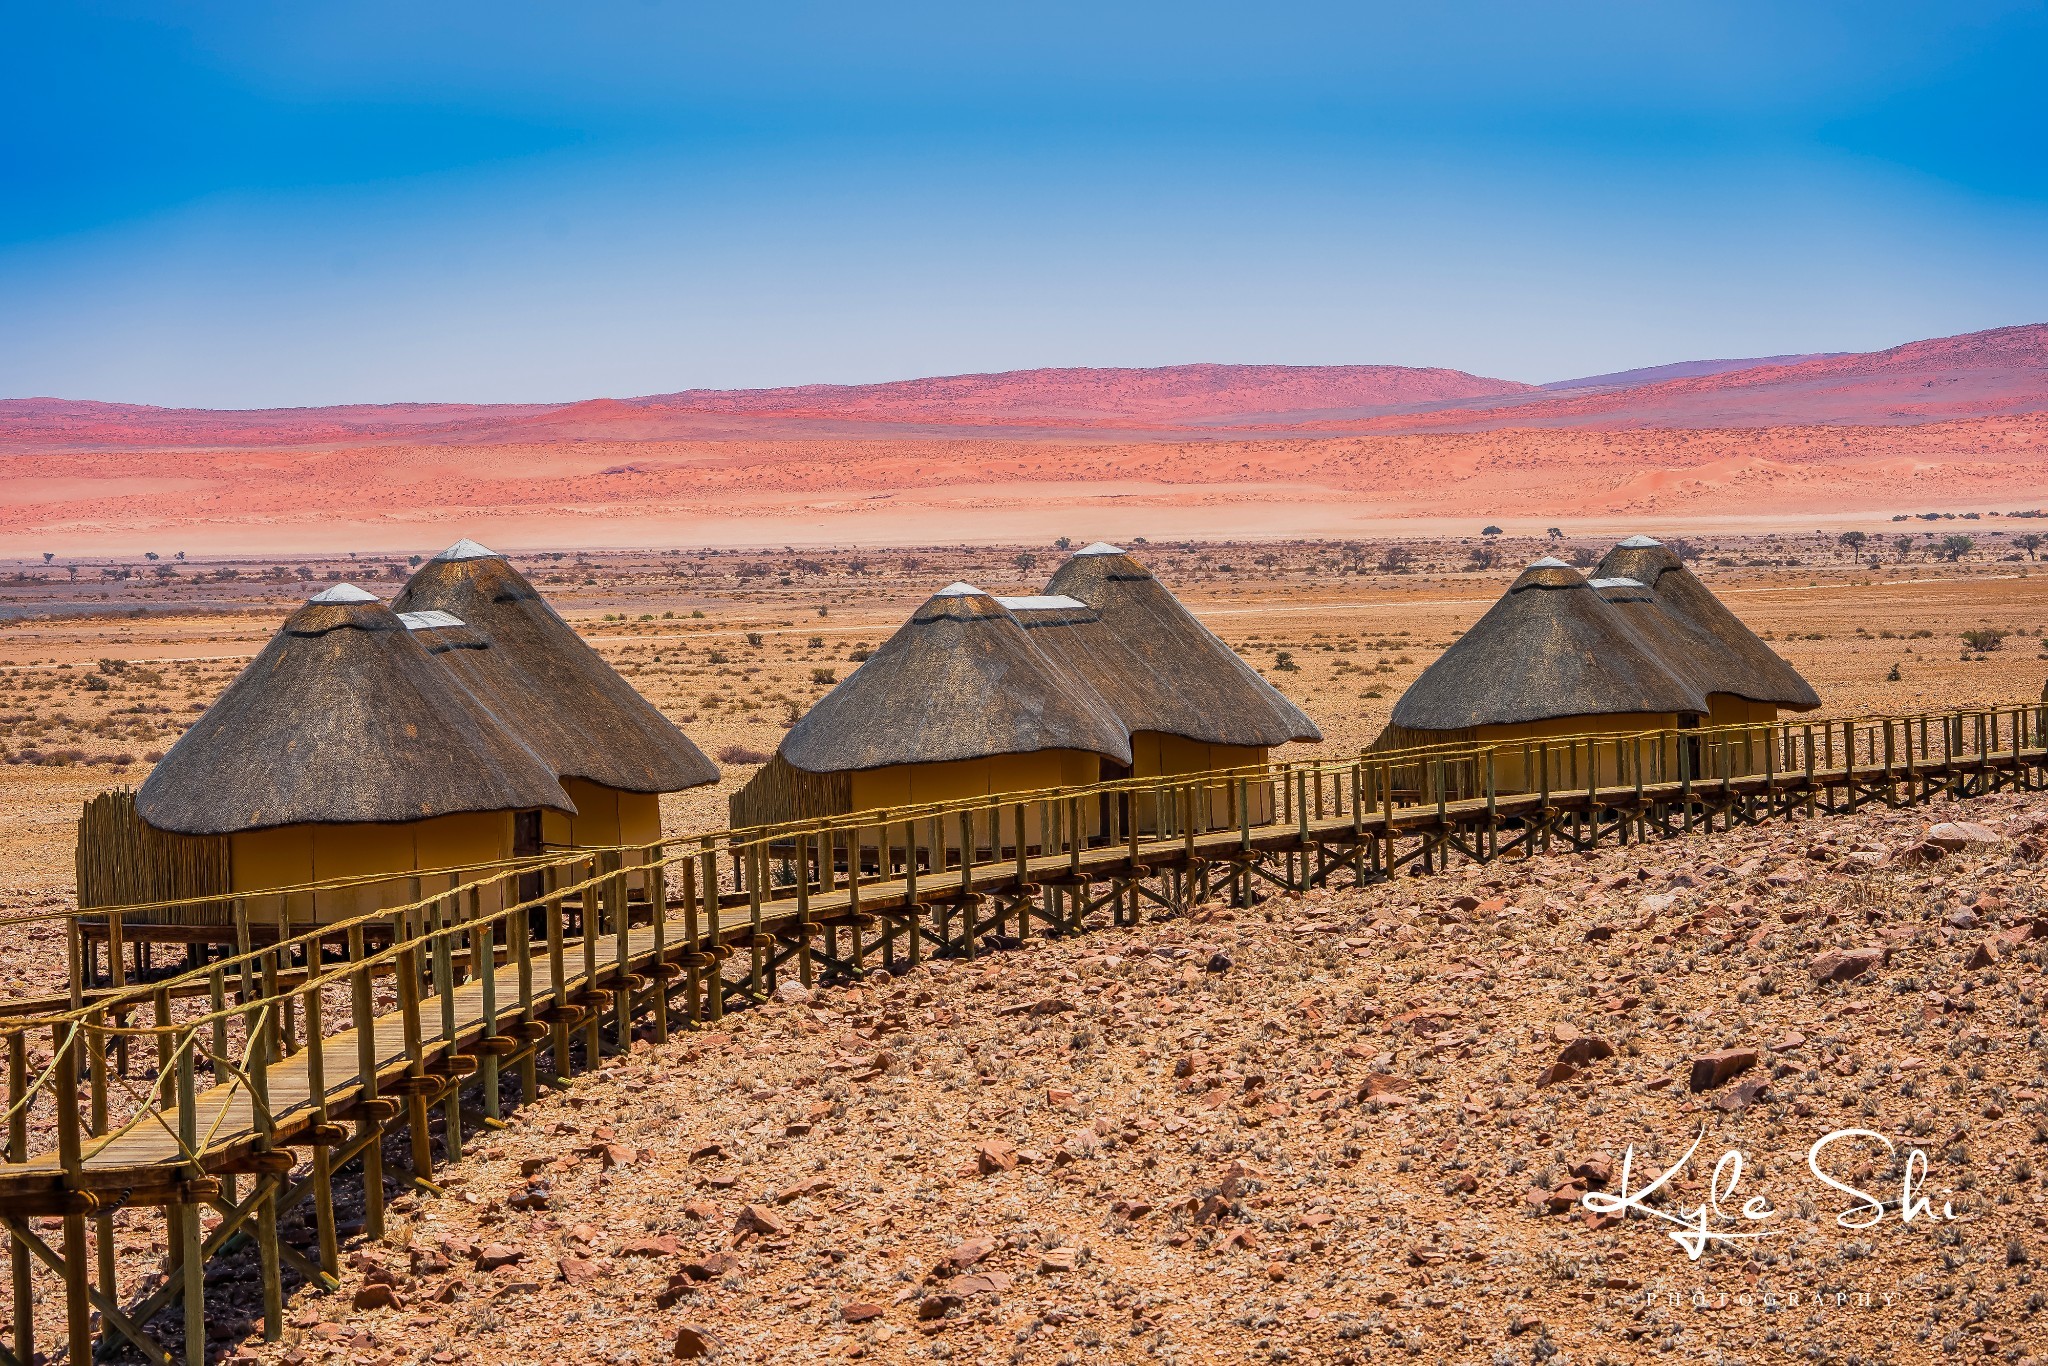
x,y
1959,424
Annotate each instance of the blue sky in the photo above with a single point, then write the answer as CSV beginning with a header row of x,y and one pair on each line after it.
x,y
220,204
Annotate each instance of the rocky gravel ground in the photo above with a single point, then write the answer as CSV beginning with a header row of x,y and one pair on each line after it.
x,y
1355,1125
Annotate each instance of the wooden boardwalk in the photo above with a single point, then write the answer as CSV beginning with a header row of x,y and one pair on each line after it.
x,y
669,938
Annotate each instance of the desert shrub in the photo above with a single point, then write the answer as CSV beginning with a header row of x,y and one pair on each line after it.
x,y
741,754
1984,639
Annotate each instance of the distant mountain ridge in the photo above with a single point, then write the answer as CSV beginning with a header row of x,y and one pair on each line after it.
x,y
1990,373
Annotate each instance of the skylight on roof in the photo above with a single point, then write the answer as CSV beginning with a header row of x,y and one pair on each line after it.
x,y
1041,602
429,619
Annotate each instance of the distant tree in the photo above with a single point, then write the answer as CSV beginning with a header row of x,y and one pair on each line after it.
x,y
1953,548
1557,533
1485,556
1395,559
1063,543
2029,543
149,555
1583,557
1024,560
49,555
1853,540
72,570
414,560
1489,531
1683,549
181,555
1902,546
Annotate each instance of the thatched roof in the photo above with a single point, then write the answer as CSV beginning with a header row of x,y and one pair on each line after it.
x,y
1160,668
546,683
1677,649
1728,657
344,717
1551,647
960,680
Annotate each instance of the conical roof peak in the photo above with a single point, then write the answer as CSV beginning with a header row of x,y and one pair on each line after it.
x,y
1157,664
342,592
546,681
466,549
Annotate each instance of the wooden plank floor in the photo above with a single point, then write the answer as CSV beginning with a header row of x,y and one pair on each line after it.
x,y
226,1115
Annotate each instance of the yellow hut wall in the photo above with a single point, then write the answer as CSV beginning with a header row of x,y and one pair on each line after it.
x,y
1518,765
960,779
1736,752
296,854
1154,755
605,816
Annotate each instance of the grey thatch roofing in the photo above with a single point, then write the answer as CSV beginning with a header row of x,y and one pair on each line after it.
x,y
1674,646
343,717
1551,647
960,680
1160,668
546,683
1727,657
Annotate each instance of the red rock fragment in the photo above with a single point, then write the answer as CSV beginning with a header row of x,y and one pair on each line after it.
x,y
1843,965
1711,1069
758,1219
694,1343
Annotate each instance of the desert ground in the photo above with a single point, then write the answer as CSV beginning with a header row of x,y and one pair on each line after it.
x,y
1196,1165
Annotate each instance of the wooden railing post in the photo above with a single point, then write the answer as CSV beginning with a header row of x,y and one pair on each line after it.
x,y
558,978
363,1017
191,1262
442,915
65,1038
20,1262
655,864
714,983
323,1167
591,899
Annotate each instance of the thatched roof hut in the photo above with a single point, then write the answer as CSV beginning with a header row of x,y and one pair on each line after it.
x,y
1552,647
1727,656
546,683
1157,666
343,718
960,680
